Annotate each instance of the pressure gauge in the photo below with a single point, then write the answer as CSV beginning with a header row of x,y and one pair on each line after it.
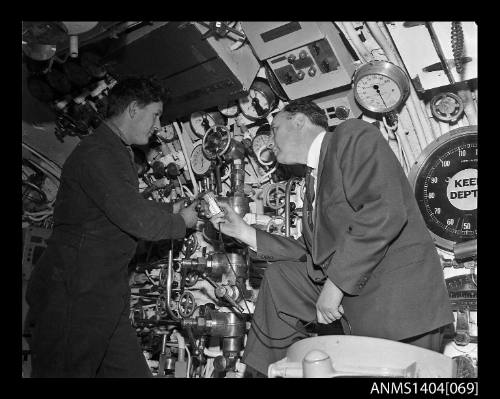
x,y
260,143
444,179
380,86
202,121
259,102
199,163
216,141
229,110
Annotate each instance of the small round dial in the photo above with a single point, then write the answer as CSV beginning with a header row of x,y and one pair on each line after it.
x,y
202,121
259,102
380,86
199,162
259,145
445,180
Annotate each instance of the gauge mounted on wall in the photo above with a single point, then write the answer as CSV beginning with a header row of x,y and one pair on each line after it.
x,y
444,179
201,121
216,141
199,162
260,143
380,86
259,102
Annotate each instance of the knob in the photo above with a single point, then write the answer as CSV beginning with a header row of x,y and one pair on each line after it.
x,y
301,74
342,112
312,71
326,65
303,54
292,58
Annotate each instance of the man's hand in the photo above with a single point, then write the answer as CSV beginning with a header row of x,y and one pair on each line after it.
x,y
176,208
189,214
233,225
328,307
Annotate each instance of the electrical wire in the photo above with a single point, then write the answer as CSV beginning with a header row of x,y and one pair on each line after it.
x,y
188,362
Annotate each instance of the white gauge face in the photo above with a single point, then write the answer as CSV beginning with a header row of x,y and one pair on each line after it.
x,y
167,132
378,93
259,141
199,162
229,109
201,122
255,105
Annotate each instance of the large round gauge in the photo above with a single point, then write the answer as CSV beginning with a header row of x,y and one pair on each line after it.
x,y
444,179
260,142
259,102
380,86
199,162
202,121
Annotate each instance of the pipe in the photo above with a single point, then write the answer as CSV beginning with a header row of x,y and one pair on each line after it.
x,y
288,189
406,122
186,156
352,36
391,54
169,283
469,106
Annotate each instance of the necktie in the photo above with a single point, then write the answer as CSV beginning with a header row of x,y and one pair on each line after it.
x,y
309,184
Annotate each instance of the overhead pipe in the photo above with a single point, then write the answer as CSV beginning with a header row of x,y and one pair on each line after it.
x,y
354,39
378,35
469,106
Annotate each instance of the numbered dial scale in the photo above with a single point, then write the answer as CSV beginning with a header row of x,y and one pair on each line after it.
x,y
380,86
199,163
444,179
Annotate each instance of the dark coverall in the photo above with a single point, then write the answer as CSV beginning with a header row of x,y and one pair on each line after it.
x,y
79,295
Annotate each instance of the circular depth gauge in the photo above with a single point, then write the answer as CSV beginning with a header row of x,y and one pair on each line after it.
x,y
444,179
380,86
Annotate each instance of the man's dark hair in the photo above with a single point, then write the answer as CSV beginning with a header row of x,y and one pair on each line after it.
x,y
143,90
310,109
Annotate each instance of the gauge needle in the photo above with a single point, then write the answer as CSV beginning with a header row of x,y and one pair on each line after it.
x,y
378,91
257,106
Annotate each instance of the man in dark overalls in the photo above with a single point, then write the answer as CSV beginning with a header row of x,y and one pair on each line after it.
x,y
79,292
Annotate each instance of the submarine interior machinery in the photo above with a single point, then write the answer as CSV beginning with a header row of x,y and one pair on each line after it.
x,y
193,299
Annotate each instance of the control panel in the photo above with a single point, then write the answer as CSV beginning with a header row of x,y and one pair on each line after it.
x,y
338,106
316,62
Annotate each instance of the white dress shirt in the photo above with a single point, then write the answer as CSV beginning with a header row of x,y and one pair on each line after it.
x,y
313,160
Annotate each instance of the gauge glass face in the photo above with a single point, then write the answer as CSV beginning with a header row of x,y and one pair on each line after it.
x,y
201,122
255,105
378,92
446,190
229,109
199,162
259,141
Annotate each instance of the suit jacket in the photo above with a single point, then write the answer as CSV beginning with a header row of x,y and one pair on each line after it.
x,y
369,238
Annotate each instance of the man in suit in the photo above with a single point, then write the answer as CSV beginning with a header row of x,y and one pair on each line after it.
x,y
365,252
79,293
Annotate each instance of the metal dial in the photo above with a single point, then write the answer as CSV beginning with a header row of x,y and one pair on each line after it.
x,y
199,162
259,102
216,141
202,121
445,182
380,86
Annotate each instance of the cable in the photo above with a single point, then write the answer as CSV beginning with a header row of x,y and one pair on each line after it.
x,y
188,362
